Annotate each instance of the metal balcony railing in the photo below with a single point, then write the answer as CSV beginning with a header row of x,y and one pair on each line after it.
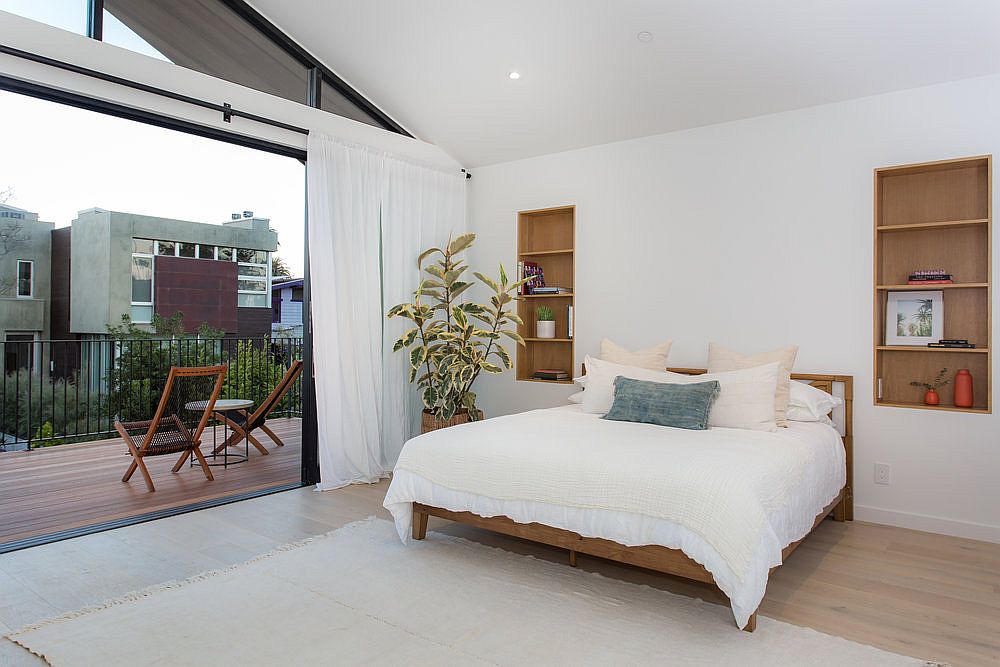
x,y
59,391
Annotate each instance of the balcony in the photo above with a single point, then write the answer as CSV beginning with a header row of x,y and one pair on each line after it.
x,y
18,314
61,461
53,489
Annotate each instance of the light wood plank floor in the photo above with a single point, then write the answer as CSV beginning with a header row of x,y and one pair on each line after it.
x,y
68,486
929,596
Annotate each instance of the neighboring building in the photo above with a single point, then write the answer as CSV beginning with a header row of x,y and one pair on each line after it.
x,y
286,307
25,251
138,265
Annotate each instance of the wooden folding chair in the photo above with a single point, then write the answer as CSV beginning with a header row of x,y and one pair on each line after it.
x,y
167,434
243,424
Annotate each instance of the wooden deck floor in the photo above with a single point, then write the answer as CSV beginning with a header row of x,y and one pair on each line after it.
x,y
70,486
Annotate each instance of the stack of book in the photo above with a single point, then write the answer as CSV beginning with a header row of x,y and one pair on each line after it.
x,y
952,342
533,271
549,374
552,290
929,277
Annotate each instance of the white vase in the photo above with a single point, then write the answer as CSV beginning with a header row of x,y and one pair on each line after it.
x,y
546,329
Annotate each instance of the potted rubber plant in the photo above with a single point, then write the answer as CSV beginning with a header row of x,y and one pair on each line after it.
x,y
545,322
452,340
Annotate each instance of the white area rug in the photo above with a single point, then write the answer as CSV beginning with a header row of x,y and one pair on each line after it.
x,y
358,596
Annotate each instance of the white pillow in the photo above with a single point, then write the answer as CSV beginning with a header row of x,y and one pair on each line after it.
x,y
653,358
576,398
600,382
721,358
745,400
807,403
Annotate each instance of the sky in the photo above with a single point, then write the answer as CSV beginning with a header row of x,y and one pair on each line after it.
x,y
59,160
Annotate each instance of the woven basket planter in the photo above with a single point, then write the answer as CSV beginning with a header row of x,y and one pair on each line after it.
x,y
429,422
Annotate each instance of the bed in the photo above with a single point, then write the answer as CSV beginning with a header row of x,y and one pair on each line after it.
x,y
721,506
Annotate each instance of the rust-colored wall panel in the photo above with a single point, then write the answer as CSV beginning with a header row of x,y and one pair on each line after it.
x,y
203,289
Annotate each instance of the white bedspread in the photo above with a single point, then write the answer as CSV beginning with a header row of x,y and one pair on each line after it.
x,y
730,499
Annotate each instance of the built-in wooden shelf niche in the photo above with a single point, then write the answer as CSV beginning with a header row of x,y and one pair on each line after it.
x,y
935,215
547,237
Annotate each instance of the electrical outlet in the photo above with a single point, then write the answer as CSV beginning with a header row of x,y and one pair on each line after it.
x,y
882,475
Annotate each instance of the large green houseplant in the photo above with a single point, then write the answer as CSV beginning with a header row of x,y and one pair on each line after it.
x,y
452,341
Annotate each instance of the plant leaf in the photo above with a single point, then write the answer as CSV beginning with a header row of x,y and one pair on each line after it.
x,y
430,397
490,368
513,335
418,356
460,243
427,253
501,352
503,277
513,317
489,282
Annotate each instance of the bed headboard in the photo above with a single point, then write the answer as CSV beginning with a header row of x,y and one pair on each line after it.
x,y
826,383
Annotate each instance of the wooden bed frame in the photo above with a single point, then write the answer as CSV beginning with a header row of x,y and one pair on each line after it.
x,y
654,557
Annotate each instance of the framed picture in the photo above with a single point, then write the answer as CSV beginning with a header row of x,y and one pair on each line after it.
x,y
914,318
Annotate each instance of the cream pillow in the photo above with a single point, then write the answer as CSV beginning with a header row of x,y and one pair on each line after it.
x,y
600,382
745,400
653,358
721,358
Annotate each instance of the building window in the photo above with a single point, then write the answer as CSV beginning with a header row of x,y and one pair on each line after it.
x,y
25,278
253,277
167,248
187,250
142,287
206,251
297,294
19,352
225,255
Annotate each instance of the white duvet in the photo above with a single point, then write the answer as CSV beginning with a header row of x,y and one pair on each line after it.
x,y
730,499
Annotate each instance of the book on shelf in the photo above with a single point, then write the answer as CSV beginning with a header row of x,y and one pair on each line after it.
x,y
913,281
569,321
943,344
552,290
537,277
550,374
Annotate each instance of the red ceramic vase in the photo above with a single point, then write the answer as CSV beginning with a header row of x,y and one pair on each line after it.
x,y
963,389
932,397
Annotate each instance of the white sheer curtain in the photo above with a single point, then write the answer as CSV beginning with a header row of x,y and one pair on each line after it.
x,y
370,215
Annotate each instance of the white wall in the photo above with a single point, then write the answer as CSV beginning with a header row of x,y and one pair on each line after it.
x,y
755,234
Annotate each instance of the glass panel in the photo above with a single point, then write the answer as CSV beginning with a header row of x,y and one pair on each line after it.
x,y
251,256
207,36
251,285
143,246
24,270
226,254
142,279
142,314
66,14
119,34
257,271
165,248
296,294
186,250
206,251
332,101
252,301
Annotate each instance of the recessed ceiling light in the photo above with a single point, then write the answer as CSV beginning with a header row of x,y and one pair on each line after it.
x,y
644,36
514,76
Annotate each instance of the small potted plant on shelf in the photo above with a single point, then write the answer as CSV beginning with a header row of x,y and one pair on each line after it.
x,y
452,341
931,396
545,322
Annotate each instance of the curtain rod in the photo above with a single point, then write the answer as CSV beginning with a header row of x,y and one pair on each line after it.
x,y
225,108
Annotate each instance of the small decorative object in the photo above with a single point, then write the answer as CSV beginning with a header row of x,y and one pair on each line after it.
x,y
452,341
545,325
963,388
914,318
931,397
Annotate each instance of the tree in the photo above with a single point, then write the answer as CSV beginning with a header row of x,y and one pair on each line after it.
x,y
279,268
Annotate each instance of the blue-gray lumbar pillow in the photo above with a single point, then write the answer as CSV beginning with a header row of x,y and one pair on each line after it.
x,y
677,405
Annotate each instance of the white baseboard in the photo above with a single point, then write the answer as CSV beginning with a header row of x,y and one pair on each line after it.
x,y
930,524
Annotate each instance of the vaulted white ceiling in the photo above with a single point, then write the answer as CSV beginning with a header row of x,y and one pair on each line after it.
x,y
439,67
